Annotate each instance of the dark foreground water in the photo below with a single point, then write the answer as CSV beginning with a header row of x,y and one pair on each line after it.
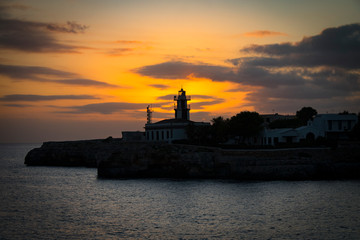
x,y
71,203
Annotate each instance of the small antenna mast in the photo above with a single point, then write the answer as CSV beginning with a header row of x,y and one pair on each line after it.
x,y
149,112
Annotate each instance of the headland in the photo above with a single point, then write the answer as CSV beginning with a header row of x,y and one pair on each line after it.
x,y
115,158
155,154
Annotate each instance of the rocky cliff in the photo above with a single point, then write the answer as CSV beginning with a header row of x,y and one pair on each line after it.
x,y
184,161
117,159
86,153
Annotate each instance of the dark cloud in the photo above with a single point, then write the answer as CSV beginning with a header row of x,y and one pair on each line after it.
x,y
321,91
158,116
167,107
159,86
261,77
319,69
210,100
197,96
183,70
69,27
283,93
31,36
335,79
326,67
18,105
106,108
48,75
274,101
4,8
82,82
335,47
294,78
250,75
196,105
200,105
169,97
36,98
32,72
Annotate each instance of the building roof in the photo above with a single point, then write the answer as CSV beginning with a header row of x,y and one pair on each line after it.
x,y
285,132
174,123
337,116
173,120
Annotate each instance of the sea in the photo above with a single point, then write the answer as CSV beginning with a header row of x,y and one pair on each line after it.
x,y
73,203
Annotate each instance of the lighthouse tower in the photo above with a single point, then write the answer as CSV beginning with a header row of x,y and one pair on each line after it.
x,y
173,129
182,109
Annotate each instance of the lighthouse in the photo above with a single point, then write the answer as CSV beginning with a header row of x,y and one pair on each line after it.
x,y
173,129
182,109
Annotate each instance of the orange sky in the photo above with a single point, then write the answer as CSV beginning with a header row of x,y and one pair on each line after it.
x,y
80,69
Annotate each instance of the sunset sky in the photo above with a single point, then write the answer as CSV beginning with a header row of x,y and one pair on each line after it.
x,y
82,69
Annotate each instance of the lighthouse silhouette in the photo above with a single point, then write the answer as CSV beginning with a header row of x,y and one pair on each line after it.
x,y
182,109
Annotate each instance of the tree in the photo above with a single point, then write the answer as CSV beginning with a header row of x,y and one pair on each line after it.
x,y
285,123
219,129
305,114
198,135
345,112
245,124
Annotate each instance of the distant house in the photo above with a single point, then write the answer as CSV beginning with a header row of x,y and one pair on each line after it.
x,y
334,125
169,130
329,126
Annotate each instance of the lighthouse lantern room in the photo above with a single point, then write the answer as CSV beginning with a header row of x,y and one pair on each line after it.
x,y
182,109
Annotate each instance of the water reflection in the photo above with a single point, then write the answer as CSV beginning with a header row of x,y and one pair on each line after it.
x,y
56,202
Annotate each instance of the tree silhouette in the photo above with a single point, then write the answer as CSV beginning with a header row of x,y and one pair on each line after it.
x,y
219,129
245,125
198,135
305,114
285,123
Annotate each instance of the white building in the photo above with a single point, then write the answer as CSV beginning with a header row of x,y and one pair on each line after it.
x,y
169,130
330,126
334,125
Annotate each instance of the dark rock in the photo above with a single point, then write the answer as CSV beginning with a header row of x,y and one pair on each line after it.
x,y
86,153
117,159
184,161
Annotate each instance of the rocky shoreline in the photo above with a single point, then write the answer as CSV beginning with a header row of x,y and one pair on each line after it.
x,y
115,158
83,153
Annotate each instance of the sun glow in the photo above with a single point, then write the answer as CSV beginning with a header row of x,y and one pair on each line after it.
x,y
106,61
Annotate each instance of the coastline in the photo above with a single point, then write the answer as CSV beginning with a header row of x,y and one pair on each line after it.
x,y
81,153
115,158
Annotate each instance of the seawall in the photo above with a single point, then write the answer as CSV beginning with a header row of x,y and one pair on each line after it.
x,y
117,159
184,161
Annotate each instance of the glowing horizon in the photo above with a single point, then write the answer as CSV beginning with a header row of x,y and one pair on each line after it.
x,y
98,65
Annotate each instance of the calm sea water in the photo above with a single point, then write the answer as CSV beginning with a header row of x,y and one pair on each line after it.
x,y
71,203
